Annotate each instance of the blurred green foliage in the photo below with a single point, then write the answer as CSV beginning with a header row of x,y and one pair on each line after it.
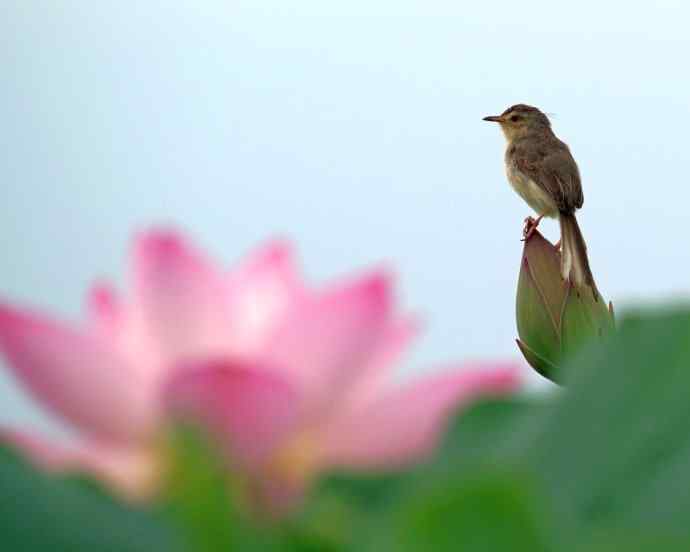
x,y
66,514
601,465
198,497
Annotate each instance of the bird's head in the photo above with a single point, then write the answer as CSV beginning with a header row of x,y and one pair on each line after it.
x,y
520,120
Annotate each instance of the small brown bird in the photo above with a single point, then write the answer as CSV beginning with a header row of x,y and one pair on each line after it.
x,y
543,172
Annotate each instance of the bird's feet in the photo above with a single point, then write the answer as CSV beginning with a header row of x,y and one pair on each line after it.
x,y
530,227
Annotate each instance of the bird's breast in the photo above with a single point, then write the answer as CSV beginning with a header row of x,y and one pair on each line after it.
x,y
533,194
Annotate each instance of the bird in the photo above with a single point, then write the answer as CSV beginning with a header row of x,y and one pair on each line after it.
x,y
541,169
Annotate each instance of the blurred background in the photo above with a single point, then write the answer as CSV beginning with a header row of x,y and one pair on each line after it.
x,y
352,128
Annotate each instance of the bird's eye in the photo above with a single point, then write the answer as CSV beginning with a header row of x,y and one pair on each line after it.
x,y
515,118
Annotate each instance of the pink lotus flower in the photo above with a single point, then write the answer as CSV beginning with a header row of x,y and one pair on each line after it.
x,y
293,380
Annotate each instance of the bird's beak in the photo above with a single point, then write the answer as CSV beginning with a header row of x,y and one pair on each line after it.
x,y
493,118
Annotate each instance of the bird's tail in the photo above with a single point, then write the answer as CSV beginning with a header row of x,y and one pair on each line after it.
x,y
574,261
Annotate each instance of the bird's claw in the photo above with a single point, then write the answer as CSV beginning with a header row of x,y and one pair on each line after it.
x,y
530,227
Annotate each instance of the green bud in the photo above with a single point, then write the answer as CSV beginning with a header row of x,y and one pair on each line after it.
x,y
554,318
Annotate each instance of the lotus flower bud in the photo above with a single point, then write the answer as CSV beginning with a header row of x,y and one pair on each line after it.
x,y
554,318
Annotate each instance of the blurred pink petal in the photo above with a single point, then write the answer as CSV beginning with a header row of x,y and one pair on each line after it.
x,y
292,380
261,290
328,339
104,310
76,375
43,453
132,471
377,373
404,424
251,407
181,298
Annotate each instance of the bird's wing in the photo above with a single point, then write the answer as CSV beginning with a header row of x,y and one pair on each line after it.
x,y
554,170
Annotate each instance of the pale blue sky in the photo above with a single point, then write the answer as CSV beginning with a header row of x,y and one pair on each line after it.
x,y
355,130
